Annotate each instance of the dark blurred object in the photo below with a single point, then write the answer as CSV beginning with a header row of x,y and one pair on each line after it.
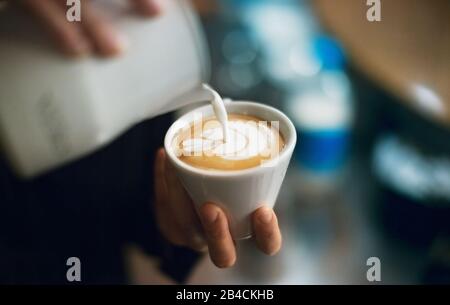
x,y
410,158
90,209
438,270
411,163
416,188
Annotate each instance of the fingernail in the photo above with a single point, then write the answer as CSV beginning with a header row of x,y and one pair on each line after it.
x,y
120,43
265,216
154,7
112,42
210,216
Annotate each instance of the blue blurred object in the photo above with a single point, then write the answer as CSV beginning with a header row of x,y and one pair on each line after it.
x,y
330,52
323,151
323,117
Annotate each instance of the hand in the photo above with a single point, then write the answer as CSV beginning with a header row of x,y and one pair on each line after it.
x,y
93,34
180,224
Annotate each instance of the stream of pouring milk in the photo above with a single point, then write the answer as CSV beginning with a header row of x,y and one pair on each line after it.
x,y
219,110
226,140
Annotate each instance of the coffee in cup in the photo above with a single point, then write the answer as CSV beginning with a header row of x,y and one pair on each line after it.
x,y
250,142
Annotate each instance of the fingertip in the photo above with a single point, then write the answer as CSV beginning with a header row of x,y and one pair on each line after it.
x,y
159,172
225,263
107,40
264,215
209,213
160,153
149,8
160,157
220,243
266,230
273,249
121,43
111,43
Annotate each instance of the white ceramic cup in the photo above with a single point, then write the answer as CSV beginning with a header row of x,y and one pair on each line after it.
x,y
239,193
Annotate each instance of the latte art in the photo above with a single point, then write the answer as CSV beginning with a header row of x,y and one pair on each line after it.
x,y
249,143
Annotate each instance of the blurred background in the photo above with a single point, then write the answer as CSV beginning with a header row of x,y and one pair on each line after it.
x,y
370,176
371,102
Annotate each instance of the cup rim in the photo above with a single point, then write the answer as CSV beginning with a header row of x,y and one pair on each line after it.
x,y
285,153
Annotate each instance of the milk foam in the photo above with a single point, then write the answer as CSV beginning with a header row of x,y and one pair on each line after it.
x,y
246,139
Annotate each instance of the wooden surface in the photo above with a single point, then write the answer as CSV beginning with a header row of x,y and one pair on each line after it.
x,y
407,52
